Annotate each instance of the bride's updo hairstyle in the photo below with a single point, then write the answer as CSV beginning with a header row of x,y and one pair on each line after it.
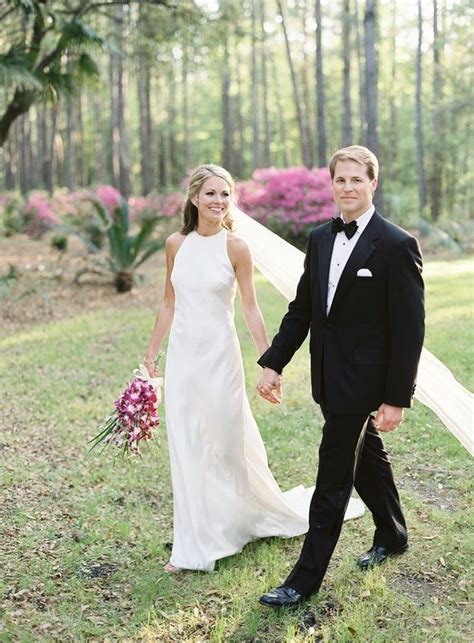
x,y
196,181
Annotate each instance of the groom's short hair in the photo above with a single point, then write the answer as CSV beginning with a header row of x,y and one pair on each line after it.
x,y
358,154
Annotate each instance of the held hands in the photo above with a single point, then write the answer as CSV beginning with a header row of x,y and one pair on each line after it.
x,y
388,418
270,386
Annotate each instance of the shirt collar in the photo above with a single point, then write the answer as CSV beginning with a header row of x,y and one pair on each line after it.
x,y
363,219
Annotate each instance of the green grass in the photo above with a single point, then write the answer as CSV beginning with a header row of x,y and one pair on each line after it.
x,y
82,538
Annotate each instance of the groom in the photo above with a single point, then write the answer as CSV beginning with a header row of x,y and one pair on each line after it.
x,y
361,296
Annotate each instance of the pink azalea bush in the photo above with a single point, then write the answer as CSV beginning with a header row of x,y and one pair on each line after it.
x,y
153,205
108,196
134,420
40,215
292,201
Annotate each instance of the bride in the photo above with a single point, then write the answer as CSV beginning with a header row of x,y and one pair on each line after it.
x,y
224,494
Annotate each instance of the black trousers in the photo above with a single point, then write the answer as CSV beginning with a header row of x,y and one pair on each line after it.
x,y
351,454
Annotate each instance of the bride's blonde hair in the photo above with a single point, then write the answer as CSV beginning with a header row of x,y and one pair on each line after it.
x,y
196,181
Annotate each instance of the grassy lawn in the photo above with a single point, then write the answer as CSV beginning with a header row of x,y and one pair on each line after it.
x,y
82,539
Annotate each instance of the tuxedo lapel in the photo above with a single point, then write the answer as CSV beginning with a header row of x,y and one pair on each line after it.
x,y
358,258
325,251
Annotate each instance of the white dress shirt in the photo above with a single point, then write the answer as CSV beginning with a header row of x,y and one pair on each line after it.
x,y
342,251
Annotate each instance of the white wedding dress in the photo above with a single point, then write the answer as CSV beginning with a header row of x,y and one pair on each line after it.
x,y
224,494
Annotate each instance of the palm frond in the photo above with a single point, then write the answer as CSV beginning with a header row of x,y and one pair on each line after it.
x,y
76,35
153,247
27,6
86,67
15,69
139,240
122,212
56,83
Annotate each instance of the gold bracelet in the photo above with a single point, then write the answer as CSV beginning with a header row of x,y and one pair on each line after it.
x,y
149,361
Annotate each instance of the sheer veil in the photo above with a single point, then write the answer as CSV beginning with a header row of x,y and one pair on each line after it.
x,y
282,264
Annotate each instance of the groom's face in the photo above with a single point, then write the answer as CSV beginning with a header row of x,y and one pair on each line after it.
x,y
352,189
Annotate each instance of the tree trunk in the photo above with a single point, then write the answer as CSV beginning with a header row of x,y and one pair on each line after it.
x,y
420,157
162,161
347,133
122,87
124,281
266,105
113,156
227,133
305,151
172,145
187,114
143,91
81,162
393,134
51,151
438,124
20,104
281,116
69,152
307,103
370,23
320,98
24,147
9,165
361,74
240,147
255,94
99,143
45,148
35,151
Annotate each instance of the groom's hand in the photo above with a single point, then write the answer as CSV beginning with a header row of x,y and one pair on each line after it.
x,y
388,418
270,386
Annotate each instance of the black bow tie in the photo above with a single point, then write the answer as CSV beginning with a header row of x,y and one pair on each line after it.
x,y
338,225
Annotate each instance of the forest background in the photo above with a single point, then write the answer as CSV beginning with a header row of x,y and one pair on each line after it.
x,y
136,94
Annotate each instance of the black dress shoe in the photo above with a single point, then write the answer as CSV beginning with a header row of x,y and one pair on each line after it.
x,y
282,596
378,555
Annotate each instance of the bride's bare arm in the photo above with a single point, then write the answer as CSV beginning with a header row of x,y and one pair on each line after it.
x,y
165,313
241,259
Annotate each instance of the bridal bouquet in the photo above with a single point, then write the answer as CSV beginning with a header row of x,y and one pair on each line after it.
x,y
135,417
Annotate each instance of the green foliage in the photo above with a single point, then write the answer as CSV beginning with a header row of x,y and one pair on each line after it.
x,y
60,242
7,281
127,252
12,219
14,69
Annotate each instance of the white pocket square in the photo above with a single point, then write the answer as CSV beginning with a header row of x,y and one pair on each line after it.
x,y
364,272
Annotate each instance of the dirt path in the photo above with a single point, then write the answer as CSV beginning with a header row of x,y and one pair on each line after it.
x,y
44,288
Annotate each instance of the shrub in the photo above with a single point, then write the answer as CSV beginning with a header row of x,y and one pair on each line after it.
x,y
289,201
126,251
156,205
7,281
59,241
40,215
12,220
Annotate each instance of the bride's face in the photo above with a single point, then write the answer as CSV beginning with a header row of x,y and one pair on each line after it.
x,y
213,200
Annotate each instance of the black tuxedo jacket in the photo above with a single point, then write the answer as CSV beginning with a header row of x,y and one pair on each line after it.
x,y
366,351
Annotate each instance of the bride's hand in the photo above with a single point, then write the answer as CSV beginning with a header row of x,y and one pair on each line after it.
x,y
270,386
151,367
152,370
